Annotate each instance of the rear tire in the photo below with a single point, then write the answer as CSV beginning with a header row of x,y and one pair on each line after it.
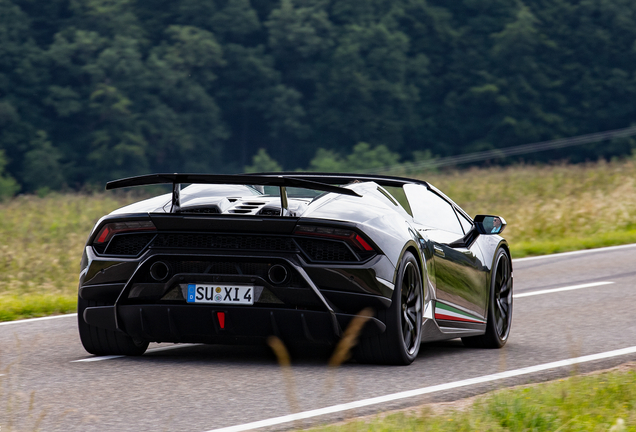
x,y
101,341
400,342
499,306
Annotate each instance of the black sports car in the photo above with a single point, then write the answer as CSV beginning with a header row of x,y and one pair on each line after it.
x,y
237,258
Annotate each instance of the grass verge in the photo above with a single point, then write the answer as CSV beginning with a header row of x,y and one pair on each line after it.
x,y
13,307
599,402
593,241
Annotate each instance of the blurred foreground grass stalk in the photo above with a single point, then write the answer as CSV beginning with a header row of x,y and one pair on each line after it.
x,y
599,402
548,209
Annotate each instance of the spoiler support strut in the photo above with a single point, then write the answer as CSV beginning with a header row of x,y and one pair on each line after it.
x,y
284,203
176,198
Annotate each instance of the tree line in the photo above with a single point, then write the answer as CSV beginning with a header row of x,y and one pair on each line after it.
x,y
92,90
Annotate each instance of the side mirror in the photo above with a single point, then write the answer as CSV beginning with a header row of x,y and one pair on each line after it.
x,y
488,224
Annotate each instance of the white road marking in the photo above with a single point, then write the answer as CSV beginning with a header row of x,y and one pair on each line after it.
x,y
97,358
171,347
579,252
567,288
425,390
153,350
28,320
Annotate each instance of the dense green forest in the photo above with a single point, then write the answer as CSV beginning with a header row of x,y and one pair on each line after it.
x,y
92,90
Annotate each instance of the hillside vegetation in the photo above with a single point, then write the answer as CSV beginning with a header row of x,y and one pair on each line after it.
x,y
94,90
548,209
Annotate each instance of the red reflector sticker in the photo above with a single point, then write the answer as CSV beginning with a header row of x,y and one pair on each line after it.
x,y
103,235
221,317
363,243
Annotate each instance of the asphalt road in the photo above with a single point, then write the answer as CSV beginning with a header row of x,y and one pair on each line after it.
x,y
202,388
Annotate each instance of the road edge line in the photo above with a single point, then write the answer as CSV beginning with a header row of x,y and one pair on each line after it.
x,y
28,320
577,252
556,290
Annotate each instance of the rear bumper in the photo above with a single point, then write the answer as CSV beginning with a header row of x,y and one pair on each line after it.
x,y
201,324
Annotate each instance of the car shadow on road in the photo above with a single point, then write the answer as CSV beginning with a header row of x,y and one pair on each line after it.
x,y
261,354
256,354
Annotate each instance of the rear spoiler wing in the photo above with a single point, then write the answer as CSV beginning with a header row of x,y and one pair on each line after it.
x,y
282,181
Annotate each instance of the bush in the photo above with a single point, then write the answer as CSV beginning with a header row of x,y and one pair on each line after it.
x,y
363,159
262,162
8,185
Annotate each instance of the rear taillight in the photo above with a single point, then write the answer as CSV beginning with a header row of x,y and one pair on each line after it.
x,y
109,230
353,238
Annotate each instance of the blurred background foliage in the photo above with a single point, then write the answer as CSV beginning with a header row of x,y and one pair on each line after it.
x,y
92,90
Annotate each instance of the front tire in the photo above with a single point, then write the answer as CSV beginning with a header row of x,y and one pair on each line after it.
x,y
102,342
499,306
400,342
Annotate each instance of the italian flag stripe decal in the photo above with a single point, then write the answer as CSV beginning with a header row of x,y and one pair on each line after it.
x,y
446,312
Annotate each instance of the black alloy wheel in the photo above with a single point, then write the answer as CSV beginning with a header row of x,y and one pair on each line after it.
x,y
411,306
400,342
503,297
499,306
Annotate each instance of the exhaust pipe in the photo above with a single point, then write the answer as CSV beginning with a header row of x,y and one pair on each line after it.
x,y
277,274
159,271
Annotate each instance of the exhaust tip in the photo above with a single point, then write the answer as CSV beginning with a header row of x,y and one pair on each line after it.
x,y
277,274
159,271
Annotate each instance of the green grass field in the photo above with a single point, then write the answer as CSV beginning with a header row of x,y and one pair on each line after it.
x,y
551,209
41,243
548,209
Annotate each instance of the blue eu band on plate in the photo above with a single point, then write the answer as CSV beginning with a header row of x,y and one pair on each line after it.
x,y
220,294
